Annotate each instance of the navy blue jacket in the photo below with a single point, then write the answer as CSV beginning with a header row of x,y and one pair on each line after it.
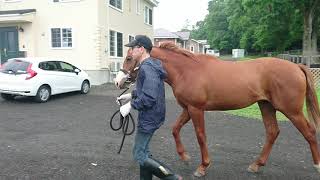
x,y
149,95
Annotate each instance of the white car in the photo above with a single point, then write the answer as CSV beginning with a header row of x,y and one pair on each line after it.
x,y
40,78
213,52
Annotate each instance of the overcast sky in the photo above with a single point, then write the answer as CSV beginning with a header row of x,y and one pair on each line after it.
x,y
173,14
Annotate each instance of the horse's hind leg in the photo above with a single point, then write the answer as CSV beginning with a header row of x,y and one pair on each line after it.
x,y
309,133
272,131
197,116
180,122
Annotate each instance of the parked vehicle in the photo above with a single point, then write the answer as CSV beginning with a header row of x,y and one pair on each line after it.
x,y
213,52
41,78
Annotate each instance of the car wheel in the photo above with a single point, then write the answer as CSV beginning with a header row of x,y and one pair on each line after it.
x,y
43,94
7,97
85,87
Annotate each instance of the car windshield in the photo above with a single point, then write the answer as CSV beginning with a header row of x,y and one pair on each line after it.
x,y
15,66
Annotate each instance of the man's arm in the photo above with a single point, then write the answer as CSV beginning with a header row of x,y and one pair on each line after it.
x,y
150,89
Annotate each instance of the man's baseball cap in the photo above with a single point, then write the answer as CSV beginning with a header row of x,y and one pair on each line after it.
x,y
141,40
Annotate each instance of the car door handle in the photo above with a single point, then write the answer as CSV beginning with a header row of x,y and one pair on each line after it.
x,y
5,52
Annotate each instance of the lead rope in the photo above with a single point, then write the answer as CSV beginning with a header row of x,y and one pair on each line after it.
x,y
124,123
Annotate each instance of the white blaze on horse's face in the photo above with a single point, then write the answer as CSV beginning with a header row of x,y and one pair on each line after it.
x,y
120,79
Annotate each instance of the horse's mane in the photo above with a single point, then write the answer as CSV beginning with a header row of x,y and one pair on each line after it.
x,y
172,47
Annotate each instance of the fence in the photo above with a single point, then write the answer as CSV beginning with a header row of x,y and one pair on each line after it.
x,y
316,76
300,59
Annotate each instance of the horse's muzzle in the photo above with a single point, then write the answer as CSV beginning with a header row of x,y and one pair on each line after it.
x,y
120,80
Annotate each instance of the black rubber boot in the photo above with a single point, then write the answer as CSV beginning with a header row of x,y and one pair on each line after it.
x,y
159,169
145,174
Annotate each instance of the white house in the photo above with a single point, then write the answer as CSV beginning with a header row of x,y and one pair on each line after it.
x,y
87,33
180,38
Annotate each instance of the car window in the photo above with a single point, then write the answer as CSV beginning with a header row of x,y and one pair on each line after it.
x,y
15,66
66,67
49,66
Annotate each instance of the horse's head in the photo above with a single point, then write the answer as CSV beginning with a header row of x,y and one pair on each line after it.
x,y
129,71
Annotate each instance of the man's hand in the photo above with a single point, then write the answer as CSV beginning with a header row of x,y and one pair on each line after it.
x,y
124,97
125,109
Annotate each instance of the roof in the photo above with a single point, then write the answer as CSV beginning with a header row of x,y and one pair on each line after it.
x,y
153,2
163,33
183,35
203,41
21,11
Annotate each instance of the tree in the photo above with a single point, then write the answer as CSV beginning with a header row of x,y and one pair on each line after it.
x,y
310,9
199,31
217,27
186,25
262,25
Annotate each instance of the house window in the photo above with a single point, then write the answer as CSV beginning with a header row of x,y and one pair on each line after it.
x,y
138,6
131,38
61,37
116,3
192,49
148,15
116,43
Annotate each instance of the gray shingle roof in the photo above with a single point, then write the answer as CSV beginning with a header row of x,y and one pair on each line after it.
x,y
163,33
22,11
183,35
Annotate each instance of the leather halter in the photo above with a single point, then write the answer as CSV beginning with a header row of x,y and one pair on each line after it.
x,y
128,73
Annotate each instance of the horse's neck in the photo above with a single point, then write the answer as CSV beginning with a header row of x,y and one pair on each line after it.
x,y
170,65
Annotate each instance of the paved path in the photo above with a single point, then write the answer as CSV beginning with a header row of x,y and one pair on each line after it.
x,y
68,138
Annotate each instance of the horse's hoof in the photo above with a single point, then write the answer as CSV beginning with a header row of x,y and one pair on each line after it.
x,y
317,166
253,168
185,157
201,171
199,174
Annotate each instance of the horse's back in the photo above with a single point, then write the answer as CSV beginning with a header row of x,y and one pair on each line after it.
x,y
233,85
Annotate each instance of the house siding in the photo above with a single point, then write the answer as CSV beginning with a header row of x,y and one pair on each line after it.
x,y
195,45
90,22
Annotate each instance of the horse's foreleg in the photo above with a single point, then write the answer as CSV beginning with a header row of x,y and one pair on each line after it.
x,y
197,117
272,131
180,122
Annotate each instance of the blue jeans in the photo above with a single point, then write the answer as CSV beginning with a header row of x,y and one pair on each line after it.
x,y
141,147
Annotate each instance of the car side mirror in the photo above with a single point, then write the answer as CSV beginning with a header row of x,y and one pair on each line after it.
x,y
77,71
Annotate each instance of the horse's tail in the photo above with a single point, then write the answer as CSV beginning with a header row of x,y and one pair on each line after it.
x,y
311,99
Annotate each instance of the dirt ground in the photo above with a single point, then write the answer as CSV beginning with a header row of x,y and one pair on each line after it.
x,y
69,138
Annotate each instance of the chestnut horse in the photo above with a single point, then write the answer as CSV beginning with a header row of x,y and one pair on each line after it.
x,y
205,83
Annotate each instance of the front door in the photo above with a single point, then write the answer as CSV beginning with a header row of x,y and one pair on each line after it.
x,y
8,43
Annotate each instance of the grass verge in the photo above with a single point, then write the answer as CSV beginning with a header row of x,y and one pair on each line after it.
x,y
253,111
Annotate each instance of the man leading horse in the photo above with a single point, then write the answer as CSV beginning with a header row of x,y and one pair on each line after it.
x,y
149,99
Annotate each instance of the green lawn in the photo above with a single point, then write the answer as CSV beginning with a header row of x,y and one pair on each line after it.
x,y
253,111
246,58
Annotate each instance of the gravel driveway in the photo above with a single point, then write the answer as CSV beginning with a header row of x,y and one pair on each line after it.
x,y
69,138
